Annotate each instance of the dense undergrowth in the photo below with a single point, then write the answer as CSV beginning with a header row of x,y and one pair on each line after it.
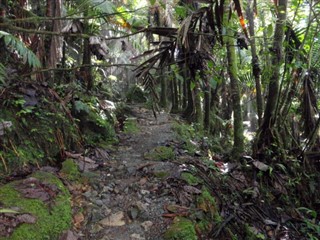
x,y
238,200
250,200
43,123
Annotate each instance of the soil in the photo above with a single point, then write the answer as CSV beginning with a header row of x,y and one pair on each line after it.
x,y
127,197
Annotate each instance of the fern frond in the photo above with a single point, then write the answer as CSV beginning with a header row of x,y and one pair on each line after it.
x,y
14,44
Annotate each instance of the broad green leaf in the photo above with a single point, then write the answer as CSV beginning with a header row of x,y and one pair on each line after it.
x,y
192,85
212,82
104,6
270,30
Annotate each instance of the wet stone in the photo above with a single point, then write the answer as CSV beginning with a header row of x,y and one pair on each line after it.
x,y
99,202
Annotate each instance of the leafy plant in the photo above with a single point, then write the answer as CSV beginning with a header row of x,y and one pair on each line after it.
x,y
14,44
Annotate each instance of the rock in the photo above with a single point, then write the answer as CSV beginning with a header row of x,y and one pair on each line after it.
x,y
114,220
99,202
133,212
144,192
131,170
137,236
87,194
147,225
94,193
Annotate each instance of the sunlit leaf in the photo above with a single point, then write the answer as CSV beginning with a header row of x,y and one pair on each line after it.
x,y
152,2
7,210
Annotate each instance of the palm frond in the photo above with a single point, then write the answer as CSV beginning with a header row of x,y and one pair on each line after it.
x,y
15,45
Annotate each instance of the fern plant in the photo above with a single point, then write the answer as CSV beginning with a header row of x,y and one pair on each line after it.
x,y
14,44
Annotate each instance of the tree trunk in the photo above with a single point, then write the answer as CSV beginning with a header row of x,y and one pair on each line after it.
x,y
238,145
86,58
255,63
266,134
198,108
190,110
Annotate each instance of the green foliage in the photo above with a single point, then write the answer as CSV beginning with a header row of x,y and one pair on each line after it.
x,y
51,219
311,226
186,133
103,6
182,228
136,95
14,44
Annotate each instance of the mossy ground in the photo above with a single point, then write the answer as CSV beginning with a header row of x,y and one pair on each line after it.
x,y
190,178
160,153
182,228
130,125
51,218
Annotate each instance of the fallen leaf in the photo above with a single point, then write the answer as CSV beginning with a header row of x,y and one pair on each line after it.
x,y
143,181
78,219
116,219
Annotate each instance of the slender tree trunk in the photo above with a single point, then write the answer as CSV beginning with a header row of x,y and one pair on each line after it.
x,y
255,62
175,97
197,101
238,145
207,107
266,134
86,59
184,88
190,109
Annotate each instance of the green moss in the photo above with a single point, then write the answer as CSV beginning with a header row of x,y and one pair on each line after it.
x,y
182,228
161,174
51,218
203,225
190,178
70,170
208,204
130,125
160,153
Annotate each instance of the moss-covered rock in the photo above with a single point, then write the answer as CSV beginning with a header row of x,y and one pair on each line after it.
x,y
160,153
70,170
130,125
42,196
191,179
182,228
207,203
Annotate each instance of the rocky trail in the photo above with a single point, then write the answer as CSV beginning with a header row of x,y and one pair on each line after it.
x,y
128,194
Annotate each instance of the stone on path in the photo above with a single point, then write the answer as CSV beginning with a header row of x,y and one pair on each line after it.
x,y
114,220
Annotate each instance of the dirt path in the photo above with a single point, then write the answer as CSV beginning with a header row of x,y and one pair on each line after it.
x,y
127,199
